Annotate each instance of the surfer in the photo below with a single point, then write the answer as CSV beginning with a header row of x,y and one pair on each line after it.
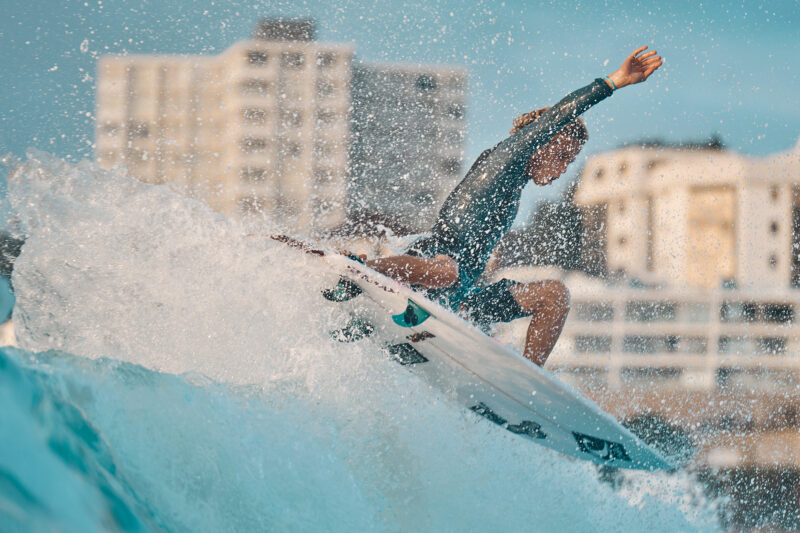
x,y
448,261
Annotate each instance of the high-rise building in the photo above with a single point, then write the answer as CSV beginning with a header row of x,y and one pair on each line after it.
x,y
408,133
263,127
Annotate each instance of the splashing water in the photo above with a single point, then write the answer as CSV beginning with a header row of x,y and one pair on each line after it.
x,y
195,388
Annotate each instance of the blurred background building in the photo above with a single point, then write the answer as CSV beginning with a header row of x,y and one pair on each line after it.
x,y
275,124
408,134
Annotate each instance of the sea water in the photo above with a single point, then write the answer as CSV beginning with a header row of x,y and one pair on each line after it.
x,y
175,373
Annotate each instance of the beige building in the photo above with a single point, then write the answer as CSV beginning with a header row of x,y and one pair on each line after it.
x,y
261,128
693,218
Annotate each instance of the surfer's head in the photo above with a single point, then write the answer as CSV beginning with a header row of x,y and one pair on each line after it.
x,y
550,161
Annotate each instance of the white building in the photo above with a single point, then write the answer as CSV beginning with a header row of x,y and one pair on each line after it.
x,y
262,127
693,218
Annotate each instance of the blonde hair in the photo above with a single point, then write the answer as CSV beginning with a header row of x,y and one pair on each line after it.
x,y
576,129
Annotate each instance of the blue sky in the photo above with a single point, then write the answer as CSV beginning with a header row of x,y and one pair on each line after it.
x,y
731,68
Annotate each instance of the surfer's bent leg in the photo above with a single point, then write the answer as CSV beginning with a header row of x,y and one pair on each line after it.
x,y
507,300
548,301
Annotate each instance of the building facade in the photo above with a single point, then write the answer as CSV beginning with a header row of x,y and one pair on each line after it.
x,y
408,133
700,218
261,128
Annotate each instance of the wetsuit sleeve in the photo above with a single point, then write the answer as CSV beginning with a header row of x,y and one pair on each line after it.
x,y
523,144
480,159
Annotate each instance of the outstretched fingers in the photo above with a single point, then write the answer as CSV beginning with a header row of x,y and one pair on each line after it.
x,y
652,68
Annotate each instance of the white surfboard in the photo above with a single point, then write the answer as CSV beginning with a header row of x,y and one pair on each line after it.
x,y
487,377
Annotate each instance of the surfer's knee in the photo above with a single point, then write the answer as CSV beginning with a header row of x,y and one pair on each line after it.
x,y
550,295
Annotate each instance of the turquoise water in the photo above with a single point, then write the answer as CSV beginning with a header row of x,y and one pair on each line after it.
x,y
176,375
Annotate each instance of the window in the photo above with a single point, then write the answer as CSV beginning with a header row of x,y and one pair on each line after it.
x,y
771,345
255,86
254,115
294,60
292,117
326,59
323,148
252,174
649,344
455,111
732,345
696,312
252,145
774,192
426,83
598,173
323,175
773,261
623,168
593,344
326,117
325,88
137,129
780,313
251,205
594,311
773,227
291,149
738,311
257,57
643,311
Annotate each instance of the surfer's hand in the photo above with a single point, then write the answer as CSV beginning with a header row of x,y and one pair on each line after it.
x,y
636,68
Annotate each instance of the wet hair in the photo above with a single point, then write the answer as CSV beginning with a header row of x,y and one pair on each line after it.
x,y
575,130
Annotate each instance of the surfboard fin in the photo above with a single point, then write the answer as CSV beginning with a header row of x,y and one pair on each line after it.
x,y
355,330
343,291
414,315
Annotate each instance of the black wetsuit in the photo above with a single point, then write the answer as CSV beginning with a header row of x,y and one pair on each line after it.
x,y
481,209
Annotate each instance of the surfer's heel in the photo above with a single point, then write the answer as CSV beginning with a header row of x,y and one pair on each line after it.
x,y
343,291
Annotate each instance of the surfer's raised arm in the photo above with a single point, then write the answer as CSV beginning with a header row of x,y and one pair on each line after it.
x,y
448,261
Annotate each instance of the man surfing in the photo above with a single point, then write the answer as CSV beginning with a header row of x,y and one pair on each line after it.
x,y
448,261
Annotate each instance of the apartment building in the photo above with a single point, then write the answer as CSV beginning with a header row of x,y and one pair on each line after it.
x,y
698,218
263,127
